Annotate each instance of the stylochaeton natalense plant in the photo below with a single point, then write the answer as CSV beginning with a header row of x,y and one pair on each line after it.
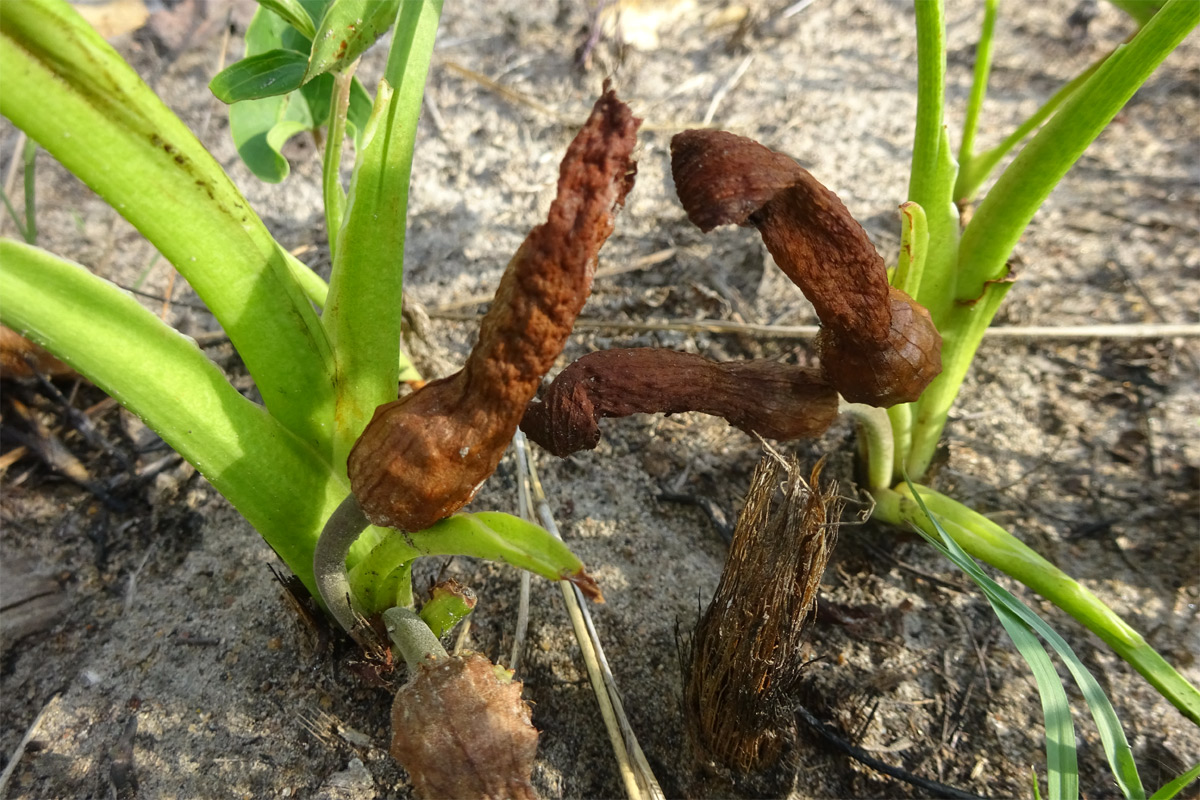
x,y
325,357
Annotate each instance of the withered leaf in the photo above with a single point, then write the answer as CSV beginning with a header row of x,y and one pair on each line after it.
x,y
424,456
765,397
745,658
21,358
886,346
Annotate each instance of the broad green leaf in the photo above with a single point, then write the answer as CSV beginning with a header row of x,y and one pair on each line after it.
x,y
260,128
282,486
489,535
114,134
292,12
348,28
268,74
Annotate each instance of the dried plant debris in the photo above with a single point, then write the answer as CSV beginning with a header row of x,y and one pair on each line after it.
x,y
769,398
424,456
21,359
878,346
746,652
462,731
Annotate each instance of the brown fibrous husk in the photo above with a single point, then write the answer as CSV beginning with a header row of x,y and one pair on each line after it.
x,y
745,656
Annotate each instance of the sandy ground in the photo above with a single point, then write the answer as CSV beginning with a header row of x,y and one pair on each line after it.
x,y
1087,450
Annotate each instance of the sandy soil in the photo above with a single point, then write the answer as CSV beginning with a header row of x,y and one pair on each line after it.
x,y
179,662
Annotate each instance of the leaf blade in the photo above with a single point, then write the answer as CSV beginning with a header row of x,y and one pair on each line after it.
x,y
269,74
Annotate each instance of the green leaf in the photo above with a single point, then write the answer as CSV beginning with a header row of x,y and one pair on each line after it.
x,y
348,28
282,486
268,74
489,535
112,132
260,128
292,12
1176,786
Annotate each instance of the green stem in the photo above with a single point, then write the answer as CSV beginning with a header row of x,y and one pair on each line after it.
x,y
362,317
413,638
341,531
931,80
998,223
987,541
934,169
983,66
331,168
875,430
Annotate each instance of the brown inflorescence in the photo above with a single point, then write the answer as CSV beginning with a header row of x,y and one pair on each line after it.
x,y
745,656
462,731
424,456
769,398
878,345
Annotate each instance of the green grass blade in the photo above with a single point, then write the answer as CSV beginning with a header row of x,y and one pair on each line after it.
x,y
1171,789
1112,735
363,312
987,541
112,132
1062,768
29,157
1061,763
279,484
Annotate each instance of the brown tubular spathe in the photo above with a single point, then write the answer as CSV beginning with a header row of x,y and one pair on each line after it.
x,y
775,400
878,346
745,656
423,457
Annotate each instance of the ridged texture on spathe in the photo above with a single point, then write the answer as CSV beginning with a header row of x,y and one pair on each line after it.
x,y
775,400
878,345
423,457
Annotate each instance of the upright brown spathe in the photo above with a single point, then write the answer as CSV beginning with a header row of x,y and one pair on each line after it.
x,y
776,400
877,345
423,457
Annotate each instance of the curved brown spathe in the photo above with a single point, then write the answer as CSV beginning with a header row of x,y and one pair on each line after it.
x,y
775,400
424,456
878,346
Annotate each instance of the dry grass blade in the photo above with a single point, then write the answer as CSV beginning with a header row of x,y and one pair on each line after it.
x,y
636,775
745,655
